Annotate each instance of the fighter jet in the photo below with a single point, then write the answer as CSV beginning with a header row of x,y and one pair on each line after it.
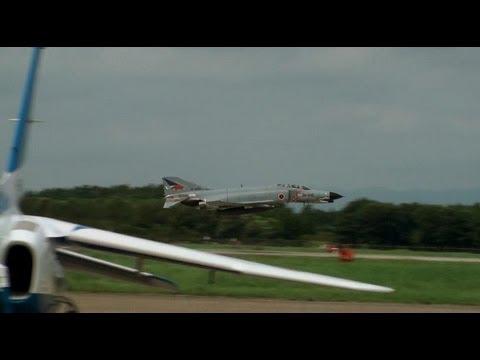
x,y
240,200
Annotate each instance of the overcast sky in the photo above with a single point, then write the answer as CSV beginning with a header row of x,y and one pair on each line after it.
x,y
400,118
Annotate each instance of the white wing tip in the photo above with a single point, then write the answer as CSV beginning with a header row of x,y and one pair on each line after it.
x,y
383,289
368,287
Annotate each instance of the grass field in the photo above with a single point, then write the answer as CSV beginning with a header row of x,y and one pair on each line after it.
x,y
414,281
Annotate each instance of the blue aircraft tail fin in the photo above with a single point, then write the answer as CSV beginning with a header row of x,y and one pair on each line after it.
x,y
19,140
9,188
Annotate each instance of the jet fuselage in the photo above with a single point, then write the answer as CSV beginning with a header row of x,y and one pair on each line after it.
x,y
244,199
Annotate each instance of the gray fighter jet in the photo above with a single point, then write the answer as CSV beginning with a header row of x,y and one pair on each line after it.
x,y
240,200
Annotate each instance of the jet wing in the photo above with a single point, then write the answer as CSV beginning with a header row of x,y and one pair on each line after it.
x,y
110,241
222,205
246,203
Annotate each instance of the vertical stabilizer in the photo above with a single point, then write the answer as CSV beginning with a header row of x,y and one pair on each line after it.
x,y
174,185
9,184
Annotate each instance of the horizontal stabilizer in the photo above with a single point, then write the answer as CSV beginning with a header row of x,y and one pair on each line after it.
x,y
80,262
169,204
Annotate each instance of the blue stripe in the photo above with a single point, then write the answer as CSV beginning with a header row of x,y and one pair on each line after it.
x,y
80,227
16,152
5,300
33,303
168,281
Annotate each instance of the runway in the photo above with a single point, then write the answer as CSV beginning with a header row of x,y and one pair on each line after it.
x,y
358,256
145,303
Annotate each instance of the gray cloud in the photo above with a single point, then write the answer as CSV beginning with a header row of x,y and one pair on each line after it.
x,y
402,118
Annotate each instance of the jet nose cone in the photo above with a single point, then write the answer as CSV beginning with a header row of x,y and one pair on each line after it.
x,y
335,196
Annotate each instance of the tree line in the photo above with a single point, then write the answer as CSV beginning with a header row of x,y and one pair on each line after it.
x,y
138,211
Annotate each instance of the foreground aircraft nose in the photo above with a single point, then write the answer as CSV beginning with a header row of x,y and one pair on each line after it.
x,y
335,196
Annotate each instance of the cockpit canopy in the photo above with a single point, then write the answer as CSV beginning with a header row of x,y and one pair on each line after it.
x,y
294,186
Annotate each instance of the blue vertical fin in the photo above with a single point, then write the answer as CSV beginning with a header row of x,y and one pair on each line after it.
x,y
19,140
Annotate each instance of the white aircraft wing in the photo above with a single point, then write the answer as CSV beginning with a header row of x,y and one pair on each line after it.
x,y
110,241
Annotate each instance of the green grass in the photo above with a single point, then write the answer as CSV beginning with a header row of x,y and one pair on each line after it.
x,y
414,281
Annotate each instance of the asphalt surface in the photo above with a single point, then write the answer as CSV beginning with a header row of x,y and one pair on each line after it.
x,y
358,256
145,303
